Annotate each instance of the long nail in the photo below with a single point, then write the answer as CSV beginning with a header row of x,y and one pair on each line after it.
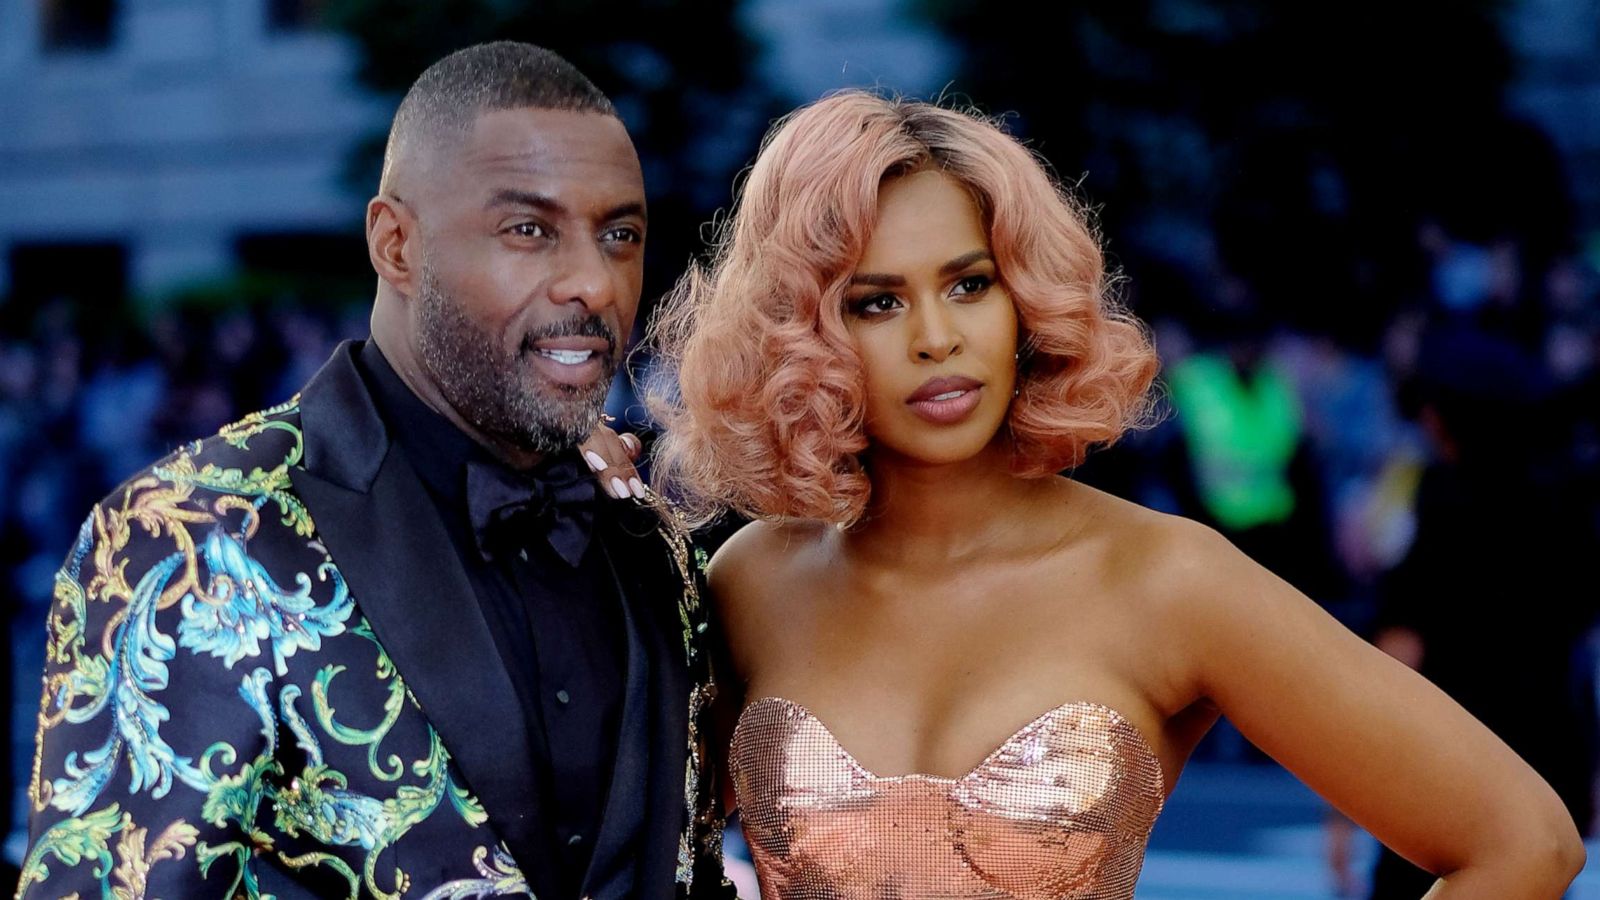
x,y
638,487
595,460
620,490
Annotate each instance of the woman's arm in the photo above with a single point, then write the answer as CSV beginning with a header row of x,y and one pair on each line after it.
x,y
1375,739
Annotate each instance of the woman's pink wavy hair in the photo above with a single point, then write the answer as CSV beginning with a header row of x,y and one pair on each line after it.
x,y
766,416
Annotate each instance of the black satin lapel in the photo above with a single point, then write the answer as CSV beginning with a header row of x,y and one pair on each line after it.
x,y
345,441
614,865
658,588
408,582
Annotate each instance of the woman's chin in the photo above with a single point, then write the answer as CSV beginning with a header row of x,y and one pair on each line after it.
x,y
943,450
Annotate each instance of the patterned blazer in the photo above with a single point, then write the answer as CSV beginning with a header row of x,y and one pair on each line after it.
x,y
265,677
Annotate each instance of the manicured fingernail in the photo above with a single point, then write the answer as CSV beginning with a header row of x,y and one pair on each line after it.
x,y
638,487
619,489
595,460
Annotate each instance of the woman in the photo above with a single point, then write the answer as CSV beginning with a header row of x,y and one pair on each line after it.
x,y
904,334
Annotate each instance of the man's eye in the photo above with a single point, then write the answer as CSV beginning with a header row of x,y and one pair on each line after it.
x,y
624,236
529,230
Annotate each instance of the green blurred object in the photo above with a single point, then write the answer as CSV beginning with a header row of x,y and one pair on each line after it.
x,y
1242,432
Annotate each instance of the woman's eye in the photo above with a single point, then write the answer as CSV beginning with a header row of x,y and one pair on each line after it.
x,y
973,284
876,304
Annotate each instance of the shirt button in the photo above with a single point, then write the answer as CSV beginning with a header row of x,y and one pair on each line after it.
x,y
575,840
524,554
563,697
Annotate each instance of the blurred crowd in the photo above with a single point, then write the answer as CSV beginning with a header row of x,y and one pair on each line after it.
x,y
84,404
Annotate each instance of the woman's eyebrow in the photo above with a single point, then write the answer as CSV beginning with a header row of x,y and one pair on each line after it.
x,y
949,268
965,260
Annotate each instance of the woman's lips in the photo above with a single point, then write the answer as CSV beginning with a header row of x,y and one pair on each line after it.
x,y
946,400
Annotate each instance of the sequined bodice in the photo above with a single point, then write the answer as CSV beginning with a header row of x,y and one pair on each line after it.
x,y
1062,809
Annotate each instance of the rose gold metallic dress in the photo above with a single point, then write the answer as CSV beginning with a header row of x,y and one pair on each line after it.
x,y
1062,809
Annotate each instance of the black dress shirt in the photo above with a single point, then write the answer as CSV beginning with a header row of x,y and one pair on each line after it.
x,y
558,628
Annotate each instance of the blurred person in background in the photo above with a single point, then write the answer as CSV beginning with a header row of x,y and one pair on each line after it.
x,y
1252,474
1493,602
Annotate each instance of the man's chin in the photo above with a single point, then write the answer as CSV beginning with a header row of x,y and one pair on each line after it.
x,y
565,424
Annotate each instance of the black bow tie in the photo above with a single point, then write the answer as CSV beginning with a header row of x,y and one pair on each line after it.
x,y
509,512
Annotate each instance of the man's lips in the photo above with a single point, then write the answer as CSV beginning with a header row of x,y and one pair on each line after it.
x,y
571,360
573,343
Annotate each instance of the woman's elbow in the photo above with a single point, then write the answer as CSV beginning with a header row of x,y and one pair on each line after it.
x,y
1570,855
1534,853
1550,851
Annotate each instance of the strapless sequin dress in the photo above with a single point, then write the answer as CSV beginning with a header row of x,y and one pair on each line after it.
x,y
1062,809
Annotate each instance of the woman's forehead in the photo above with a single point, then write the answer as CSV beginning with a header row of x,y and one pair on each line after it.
x,y
925,217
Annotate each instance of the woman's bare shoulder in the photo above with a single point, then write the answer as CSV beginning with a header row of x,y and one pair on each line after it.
x,y
1165,557
761,549
762,560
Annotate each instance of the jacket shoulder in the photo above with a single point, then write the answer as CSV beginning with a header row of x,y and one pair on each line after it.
x,y
246,463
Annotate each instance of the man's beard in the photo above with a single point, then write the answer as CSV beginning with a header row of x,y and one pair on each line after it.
x,y
499,393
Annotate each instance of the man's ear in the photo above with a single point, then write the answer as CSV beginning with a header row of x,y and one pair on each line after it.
x,y
392,242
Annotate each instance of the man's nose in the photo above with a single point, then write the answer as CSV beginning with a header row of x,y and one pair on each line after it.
x,y
582,277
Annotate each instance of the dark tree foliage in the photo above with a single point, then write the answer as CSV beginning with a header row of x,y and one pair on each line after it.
x,y
1306,142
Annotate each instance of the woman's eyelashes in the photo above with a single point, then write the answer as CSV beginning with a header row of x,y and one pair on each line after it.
x,y
873,305
972,285
967,289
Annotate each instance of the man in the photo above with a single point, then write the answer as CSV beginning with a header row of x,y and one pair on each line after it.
x,y
386,638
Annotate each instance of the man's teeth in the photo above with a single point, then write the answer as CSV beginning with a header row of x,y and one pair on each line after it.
x,y
948,395
567,357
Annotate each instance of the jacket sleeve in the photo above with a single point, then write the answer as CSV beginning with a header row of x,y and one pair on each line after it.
x,y
714,728
153,749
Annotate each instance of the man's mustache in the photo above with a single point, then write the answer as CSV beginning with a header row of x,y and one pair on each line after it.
x,y
588,326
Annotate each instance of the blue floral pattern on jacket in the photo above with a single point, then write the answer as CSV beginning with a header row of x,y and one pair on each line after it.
x,y
296,761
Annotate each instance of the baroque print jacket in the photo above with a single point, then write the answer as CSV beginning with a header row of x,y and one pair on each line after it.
x,y
260,682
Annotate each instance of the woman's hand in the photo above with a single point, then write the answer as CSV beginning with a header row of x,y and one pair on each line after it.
x,y
610,456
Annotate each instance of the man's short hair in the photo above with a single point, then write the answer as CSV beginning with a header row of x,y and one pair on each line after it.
x,y
448,97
